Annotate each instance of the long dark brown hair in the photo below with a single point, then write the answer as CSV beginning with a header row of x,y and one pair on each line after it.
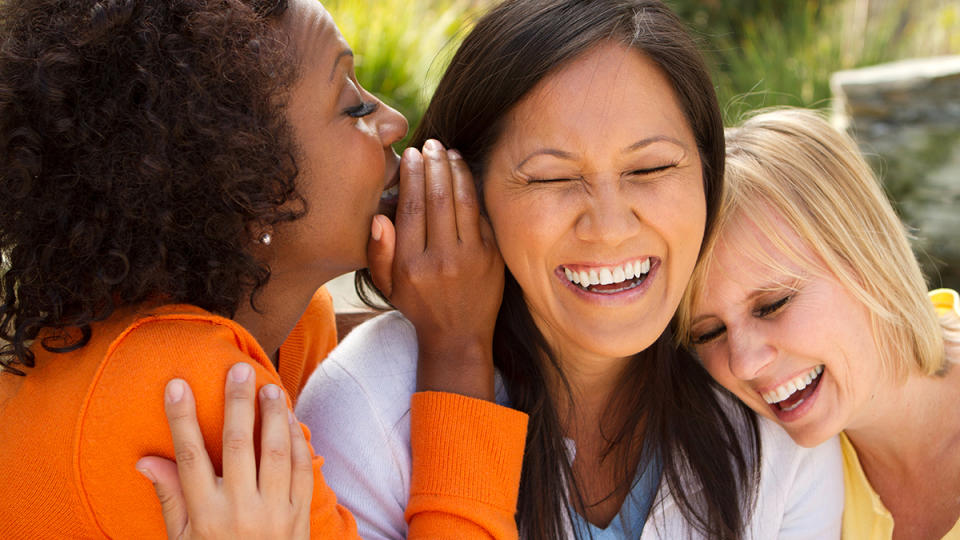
x,y
709,446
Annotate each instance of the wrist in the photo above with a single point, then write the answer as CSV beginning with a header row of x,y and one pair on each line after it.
x,y
464,367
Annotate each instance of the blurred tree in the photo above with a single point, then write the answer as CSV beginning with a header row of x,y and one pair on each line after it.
x,y
783,53
403,46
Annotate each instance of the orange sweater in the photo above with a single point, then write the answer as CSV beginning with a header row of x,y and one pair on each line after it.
x,y
73,428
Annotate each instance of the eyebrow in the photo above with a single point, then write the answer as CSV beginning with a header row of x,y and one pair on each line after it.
x,y
344,53
633,147
758,291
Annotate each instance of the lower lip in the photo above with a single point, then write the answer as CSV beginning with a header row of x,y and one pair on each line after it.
x,y
617,298
802,409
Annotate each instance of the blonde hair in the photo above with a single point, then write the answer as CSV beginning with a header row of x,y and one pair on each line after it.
x,y
816,182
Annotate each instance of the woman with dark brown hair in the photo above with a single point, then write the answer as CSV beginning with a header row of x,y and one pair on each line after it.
x,y
177,181
595,137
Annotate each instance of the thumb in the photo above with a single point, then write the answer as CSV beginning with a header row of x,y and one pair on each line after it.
x,y
380,251
162,473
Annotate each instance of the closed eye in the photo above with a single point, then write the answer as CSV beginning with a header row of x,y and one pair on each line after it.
x,y
651,170
549,180
364,109
770,309
709,335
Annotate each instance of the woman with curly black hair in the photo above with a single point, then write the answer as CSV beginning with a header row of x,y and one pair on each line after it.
x,y
178,179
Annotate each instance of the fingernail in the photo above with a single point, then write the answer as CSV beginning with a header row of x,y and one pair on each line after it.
x,y
411,155
432,146
240,372
174,391
290,417
148,474
271,391
376,230
453,154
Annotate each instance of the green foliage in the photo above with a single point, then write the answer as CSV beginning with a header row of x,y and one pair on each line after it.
x,y
764,53
783,53
402,46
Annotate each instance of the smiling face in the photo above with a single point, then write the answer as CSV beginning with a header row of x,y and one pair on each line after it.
x,y
785,336
346,159
595,193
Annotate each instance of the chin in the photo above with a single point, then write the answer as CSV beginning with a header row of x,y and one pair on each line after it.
x,y
810,436
613,348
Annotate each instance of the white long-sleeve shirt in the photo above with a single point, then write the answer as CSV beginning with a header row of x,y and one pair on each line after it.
x,y
357,405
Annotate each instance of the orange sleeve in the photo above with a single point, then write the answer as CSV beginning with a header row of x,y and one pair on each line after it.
x,y
123,419
467,452
467,457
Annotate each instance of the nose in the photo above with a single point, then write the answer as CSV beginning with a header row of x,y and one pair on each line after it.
x,y
391,125
751,352
609,217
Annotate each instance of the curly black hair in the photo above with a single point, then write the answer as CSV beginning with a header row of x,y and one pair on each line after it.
x,y
142,142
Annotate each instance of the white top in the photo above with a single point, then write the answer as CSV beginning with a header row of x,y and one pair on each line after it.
x,y
357,406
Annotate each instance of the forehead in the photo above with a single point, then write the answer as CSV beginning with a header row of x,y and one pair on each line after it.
x,y
611,89
754,252
313,34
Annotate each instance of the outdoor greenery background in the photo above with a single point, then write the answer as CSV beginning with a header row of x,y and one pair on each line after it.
x,y
763,53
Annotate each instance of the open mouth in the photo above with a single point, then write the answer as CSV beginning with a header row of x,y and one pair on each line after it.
x,y
609,279
389,197
791,394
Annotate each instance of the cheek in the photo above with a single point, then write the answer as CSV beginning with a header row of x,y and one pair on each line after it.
x,y
677,209
525,227
679,216
688,219
715,363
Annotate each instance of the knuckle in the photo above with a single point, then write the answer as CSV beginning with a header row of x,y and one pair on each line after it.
x,y
409,270
179,415
235,440
274,451
303,465
450,272
167,499
438,196
188,454
447,267
466,199
411,208
237,392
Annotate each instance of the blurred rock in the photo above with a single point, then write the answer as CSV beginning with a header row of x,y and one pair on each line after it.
x,y
906,117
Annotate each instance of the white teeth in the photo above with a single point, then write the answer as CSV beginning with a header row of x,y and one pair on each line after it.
x,y
390,193
608,275
788,388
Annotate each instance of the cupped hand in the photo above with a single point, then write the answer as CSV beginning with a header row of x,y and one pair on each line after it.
x,y
441,268
270,502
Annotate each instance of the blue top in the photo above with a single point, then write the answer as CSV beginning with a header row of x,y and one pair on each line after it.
x,y
629,521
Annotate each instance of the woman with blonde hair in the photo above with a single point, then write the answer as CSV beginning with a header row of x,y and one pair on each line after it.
x,y
809,305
